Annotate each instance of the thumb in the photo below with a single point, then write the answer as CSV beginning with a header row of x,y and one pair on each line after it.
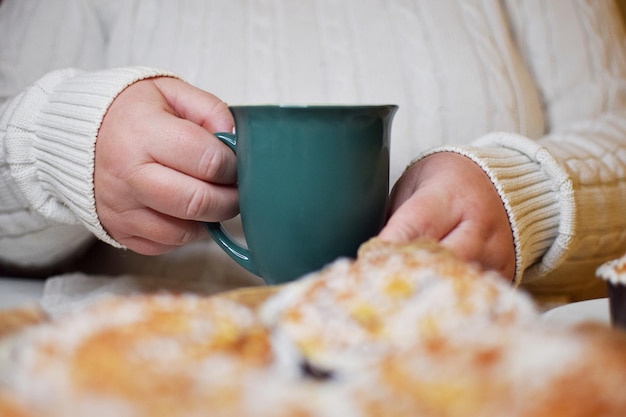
x,y
199,106
424,214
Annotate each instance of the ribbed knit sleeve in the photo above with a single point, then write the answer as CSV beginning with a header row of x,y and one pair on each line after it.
x,y
48,136
565,192
535,191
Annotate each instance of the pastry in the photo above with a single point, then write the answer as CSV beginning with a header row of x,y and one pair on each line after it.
x,y
393,296
156,355
403,330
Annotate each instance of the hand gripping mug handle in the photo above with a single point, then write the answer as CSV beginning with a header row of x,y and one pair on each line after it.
x,y
238,253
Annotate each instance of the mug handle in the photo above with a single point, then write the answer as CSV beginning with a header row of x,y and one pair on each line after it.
x,y
238,253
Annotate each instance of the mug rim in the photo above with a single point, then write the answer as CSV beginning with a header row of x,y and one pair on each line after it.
x,y
296,106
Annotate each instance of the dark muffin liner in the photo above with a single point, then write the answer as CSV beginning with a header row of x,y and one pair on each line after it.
x,y
617,304
614,273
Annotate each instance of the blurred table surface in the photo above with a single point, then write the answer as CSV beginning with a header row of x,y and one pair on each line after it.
x,y
18,292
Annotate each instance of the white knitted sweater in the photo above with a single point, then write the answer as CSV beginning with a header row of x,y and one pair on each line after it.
x,y
532,90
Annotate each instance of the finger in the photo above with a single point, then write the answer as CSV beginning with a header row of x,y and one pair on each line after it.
x,y
151,233
472,245
199,106
465,242
187,147
178,195
425,214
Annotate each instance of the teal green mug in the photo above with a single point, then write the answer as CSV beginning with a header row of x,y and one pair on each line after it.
x,y
313,185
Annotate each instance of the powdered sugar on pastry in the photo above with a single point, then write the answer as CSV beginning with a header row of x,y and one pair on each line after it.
x,y
510,372
390,297
404,330
147,356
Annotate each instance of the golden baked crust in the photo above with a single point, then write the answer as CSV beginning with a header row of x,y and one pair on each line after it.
x,y
16,319
144,356
405,330
10,408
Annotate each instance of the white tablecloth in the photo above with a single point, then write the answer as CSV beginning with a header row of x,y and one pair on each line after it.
x,y
201,267
18,292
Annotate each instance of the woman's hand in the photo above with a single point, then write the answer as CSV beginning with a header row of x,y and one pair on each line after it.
x,y
448,197
159,171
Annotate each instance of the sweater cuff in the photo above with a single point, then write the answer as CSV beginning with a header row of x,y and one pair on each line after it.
x,y
53,134
536,193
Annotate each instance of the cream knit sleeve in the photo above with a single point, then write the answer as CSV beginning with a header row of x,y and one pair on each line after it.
x,y
565,196
47,136
534,190
565,192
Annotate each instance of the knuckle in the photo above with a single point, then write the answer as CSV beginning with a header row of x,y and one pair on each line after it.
x,y
199,204
212,163
184,236
220,108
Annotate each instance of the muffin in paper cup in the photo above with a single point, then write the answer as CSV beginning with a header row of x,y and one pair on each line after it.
x,y
614,273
